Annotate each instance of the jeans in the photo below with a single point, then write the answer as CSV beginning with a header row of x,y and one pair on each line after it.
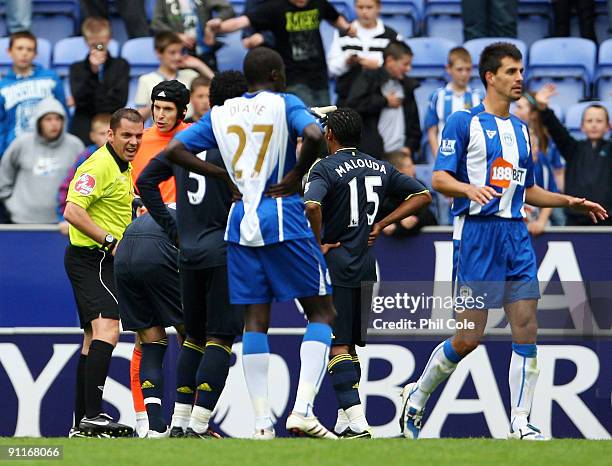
x,y
18,15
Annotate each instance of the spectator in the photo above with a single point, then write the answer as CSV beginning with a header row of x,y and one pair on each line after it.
x,y
348,56
24,86
489,18
100,124
585,10
589,162
456,95
35,164
526,109
385,99
172,65
200,92
188,20
295,25
538,218
100,82
131,11
18,15
252,38
411,225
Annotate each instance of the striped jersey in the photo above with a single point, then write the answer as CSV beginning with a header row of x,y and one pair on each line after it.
x,y
483,149
443,102
256,135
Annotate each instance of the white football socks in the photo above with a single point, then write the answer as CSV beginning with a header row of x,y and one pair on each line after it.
x,y
313,359
142,424
180,417
357,419
441,365
200,417
255,368
522,378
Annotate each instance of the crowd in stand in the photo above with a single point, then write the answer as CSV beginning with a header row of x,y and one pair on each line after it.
x,y
45,135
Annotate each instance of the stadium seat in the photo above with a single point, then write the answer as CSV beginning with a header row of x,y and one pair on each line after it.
x,y
573,116
118,28
533,27
430,56
327,34
141,55
345,8
567,61
442,18
53,27
603,77
238,6
403,24
423,92
73,49
231,55
476,46
43,57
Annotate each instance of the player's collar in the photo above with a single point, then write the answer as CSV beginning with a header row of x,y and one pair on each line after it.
x,y
122,164
352,149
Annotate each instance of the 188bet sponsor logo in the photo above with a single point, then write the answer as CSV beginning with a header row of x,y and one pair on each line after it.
x,y
503,173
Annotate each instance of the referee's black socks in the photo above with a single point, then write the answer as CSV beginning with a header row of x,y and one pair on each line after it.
x,y
152,382
79,398
96,370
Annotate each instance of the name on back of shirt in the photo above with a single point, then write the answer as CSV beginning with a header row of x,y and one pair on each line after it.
x,y
246,106
345,167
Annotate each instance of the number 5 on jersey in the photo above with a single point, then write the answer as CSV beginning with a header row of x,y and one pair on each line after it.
x,y
370,182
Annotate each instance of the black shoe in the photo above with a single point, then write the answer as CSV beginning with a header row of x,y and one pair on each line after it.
x,y
103,424
351,434
209,434
177,432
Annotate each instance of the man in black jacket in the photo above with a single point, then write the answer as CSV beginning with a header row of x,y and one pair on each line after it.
x,y
99,83
385,100
588,172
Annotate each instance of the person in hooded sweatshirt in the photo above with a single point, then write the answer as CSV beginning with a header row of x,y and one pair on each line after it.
x,y
23,87
35,164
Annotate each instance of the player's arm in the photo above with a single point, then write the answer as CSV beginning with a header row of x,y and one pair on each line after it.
x,y
539,197
445,183
78,217
416,197
432,138
312,138
157,171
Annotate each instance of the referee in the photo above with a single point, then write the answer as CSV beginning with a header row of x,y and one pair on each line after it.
x,y
98,209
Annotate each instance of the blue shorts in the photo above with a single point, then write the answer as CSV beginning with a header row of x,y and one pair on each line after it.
x,y
276,272
493,259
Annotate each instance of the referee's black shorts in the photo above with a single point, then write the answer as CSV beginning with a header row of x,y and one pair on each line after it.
x,y
148,285
350,325
93,282
206,305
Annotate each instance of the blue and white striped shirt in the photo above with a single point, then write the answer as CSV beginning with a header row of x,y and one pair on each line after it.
x,y
486,150
443,102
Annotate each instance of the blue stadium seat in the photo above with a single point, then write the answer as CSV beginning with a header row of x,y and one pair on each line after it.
x,y
573,116
53,27
132,92
231,55
423,92
327,34
403,24
533,27
118,28
568,61
43,57
603,77
476,46
238,6
442,18
345,8
141,55
73,49
430,56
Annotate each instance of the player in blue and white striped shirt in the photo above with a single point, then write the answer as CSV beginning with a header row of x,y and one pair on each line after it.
x,y
456,95
485,164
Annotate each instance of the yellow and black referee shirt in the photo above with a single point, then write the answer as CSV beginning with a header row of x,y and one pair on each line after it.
x,y
103,186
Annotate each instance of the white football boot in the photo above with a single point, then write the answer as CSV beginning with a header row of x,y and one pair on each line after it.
x,y
302,426
410,419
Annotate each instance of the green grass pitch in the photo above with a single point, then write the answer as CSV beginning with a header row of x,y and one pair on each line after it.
x,y
303,452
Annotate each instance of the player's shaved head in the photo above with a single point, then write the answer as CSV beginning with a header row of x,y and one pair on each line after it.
x,y
226,85
345,126
264,67
492,56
